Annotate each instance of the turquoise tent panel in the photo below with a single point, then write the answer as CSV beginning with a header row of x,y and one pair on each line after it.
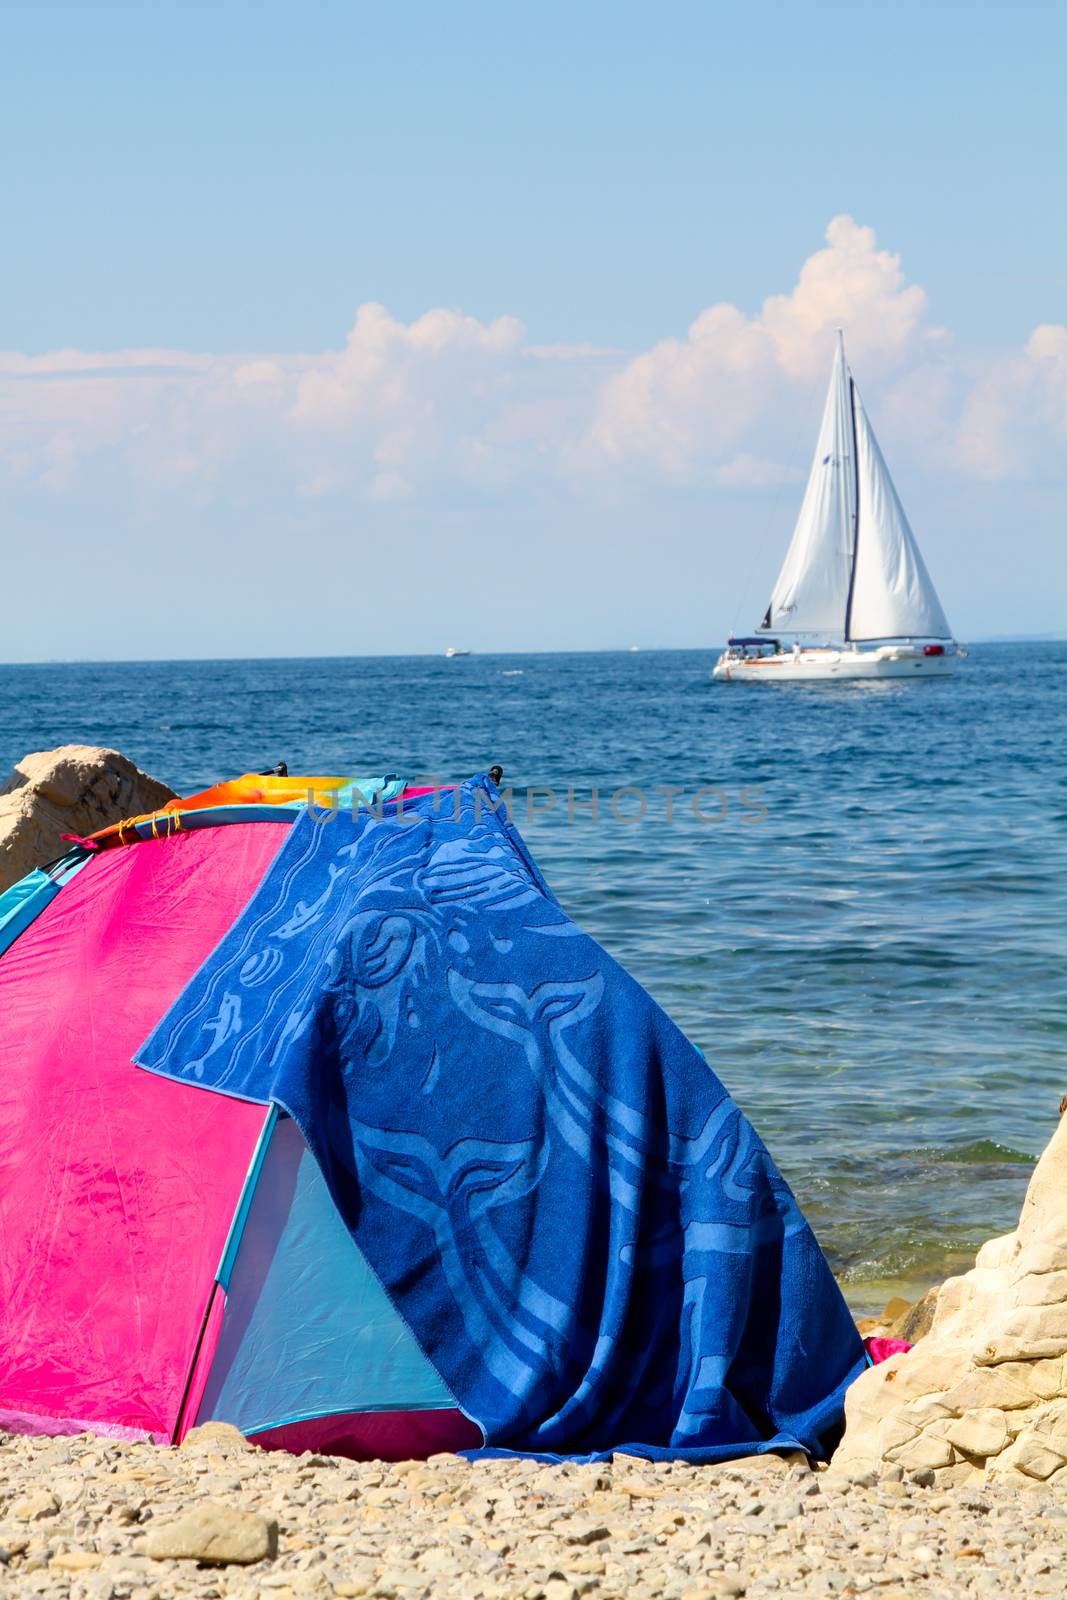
x,y
25,900
308,1330
20,904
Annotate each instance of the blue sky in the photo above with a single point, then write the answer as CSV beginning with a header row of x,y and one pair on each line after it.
x,y
231,183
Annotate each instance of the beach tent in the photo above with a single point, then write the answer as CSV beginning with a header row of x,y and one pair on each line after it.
x,y
324,1120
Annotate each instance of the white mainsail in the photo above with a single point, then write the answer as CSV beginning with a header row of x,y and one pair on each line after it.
x,y
812,589
892,595
853,567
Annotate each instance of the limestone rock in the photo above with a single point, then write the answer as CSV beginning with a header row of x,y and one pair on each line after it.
x,y
75,1561
1031,1456
927,1450
914,1322
75,789
771,1461
222,1437
982,1433
984,1395
36,1507
215,1535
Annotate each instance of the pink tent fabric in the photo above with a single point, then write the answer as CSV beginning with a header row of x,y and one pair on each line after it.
x,y
377,1435
880,1350
117,1187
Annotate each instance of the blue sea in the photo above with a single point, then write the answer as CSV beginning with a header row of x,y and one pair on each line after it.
x,y
855,901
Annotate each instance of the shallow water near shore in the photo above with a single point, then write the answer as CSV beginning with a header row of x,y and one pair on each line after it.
x,y
861,921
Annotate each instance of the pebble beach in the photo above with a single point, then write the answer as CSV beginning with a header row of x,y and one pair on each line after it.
x,y
96,1520
533,802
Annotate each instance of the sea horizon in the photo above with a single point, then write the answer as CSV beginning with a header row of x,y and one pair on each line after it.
x,y
1053,637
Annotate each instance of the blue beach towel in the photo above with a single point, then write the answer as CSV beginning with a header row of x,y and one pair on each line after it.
x,y
586,1237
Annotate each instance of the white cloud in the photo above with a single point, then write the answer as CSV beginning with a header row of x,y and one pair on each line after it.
x,y
388,368
851,284
447,403
113,364
687,402
415,398
1016,412
258,372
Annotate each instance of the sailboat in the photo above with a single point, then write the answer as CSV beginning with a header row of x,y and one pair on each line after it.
x,y
852,574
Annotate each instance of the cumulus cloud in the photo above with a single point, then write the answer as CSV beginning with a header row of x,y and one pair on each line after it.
x,y
448,403
851,284
63,410
1016,411
389,368
686,403
420,397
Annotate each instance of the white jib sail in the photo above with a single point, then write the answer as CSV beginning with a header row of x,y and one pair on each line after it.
x,y
812,589
892,595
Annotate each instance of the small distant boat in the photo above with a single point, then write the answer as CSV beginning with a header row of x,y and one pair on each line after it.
x,y
453,651
853,572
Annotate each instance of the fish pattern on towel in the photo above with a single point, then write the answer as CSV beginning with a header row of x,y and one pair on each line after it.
x,y
583,1232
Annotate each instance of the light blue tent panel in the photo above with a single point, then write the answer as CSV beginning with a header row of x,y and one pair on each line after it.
x,y
22,902
308,1330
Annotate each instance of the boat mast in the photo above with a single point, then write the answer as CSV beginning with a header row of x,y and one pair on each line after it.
x,y
855,487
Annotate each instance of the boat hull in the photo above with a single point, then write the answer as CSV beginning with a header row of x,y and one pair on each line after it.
x,y
837,666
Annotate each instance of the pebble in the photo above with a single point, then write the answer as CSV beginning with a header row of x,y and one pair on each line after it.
x,y
216,1535
89,1519
35,1507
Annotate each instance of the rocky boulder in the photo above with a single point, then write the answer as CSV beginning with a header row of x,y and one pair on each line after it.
x,y
75,789
215,1536
983,1396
